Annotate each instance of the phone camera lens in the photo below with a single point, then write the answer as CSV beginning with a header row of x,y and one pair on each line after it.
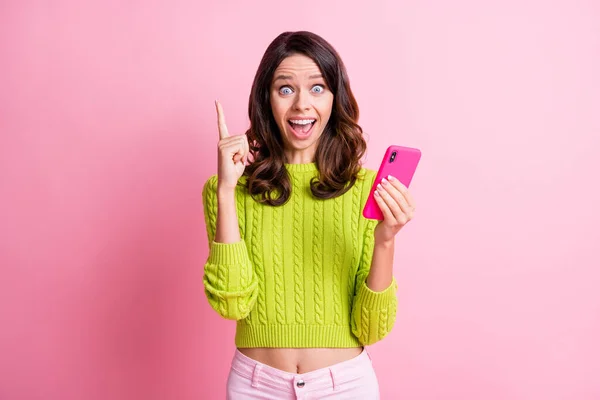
x,y
393,156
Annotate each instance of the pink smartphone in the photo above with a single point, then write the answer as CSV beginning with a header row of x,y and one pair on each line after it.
x,y
401,163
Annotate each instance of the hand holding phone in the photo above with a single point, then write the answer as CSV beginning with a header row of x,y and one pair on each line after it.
x,y
398,161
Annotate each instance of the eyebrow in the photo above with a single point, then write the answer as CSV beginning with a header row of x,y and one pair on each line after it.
x,y
285,77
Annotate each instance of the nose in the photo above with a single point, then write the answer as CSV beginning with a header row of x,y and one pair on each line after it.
x,y
303,101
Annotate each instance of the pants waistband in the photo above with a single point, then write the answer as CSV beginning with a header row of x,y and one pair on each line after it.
x,y
262,374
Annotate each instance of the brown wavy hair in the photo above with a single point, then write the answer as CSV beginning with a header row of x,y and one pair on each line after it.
x,y
340,147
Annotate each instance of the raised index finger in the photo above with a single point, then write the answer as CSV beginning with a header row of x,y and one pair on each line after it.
x,y
223,132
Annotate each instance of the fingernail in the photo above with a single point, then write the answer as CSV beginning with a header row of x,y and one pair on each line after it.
x,y
385,181
379,186
377,193
391,178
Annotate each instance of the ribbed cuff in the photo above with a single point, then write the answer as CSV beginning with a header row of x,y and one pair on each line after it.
x,y
228,253
376,300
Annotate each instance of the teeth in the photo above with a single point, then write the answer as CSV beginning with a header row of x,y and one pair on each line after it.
x,y
302,121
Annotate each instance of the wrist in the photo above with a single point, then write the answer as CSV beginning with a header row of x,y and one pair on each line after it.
x,y
225,193
384,243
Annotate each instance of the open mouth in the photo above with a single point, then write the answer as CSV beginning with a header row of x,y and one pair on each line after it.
x,y
302,127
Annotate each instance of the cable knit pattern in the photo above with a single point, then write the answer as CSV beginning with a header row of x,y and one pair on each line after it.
x,y
323,300
259,266
364,320
298,267
355,245
239,201
278,266
244,272
318,260
221,283
383,322
210,206
337,261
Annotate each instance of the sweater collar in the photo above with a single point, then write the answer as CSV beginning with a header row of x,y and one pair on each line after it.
x,y
299,168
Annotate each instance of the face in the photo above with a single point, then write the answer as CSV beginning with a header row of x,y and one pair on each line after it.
x,y
301,103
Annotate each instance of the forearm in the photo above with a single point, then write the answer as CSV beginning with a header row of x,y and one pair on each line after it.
x,y
227,228
381,272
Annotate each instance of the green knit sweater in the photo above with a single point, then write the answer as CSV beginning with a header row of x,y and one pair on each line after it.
x,y
297,277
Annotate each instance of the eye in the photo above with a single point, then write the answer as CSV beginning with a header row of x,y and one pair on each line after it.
x,y
318,89
285,90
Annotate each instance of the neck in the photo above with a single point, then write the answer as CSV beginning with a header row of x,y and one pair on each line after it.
x,y
306,156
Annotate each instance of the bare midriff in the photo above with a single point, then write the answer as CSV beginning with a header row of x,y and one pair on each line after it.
x,y
300,360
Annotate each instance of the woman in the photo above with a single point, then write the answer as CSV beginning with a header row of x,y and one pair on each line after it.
x,y
308,279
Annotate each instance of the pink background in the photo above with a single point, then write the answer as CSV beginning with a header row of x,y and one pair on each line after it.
x,y
108,132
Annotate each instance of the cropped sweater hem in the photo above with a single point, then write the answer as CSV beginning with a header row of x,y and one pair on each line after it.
x,y
295,336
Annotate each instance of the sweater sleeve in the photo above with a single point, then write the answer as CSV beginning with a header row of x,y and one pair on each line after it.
x,y
229,281
373,313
